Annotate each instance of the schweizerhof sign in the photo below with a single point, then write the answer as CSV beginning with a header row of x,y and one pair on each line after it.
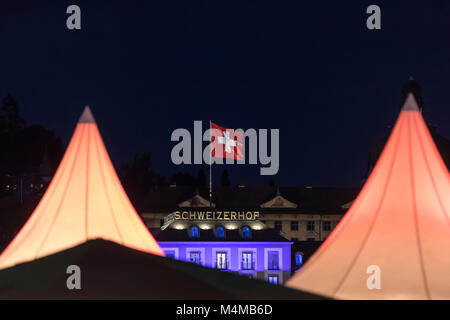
x,y
213,215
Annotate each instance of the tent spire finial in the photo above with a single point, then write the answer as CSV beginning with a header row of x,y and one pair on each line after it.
x,y
87,116
410,103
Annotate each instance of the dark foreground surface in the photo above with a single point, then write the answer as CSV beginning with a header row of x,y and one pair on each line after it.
x,y
111,271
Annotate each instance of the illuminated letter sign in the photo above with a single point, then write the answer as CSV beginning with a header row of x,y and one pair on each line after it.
x,y
214,215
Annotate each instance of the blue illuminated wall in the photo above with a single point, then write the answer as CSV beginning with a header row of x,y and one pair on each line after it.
x,y
271,261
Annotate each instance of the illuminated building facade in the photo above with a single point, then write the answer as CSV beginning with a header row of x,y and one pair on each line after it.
x,y
290,221
257,254
298,213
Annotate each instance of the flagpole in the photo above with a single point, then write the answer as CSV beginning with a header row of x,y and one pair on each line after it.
x,y
210,166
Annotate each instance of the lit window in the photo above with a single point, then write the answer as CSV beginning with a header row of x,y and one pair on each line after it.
x,y
310,225
278,225
298,259
273,279
246,232
272,260
222,262
294,225
247,261
220,232
170,254
327,226
194,232
195,257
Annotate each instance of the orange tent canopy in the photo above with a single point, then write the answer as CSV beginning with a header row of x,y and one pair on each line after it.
x,y
399,223
85,200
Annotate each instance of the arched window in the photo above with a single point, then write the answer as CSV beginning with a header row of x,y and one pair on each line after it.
x,y
246,232
298,259
220,232
194,232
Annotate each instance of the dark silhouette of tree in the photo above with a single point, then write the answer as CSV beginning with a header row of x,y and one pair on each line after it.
x,y
138,178
11,119
225,179
201,179
31,146
24,149
184,179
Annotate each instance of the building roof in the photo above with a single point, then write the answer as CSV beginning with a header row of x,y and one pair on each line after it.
x,y
264,235
309,200
399,224
85,200
112,271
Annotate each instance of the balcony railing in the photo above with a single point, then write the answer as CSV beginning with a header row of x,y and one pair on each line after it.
x,y
273,266
195,261
222,266
247,265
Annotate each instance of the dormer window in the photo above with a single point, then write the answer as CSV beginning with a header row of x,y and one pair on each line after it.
x,y
220,232
246,233
195,233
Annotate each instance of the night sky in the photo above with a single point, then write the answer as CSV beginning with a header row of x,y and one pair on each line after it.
x,y
310,68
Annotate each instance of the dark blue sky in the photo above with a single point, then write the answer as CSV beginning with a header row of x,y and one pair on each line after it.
x,y
309,68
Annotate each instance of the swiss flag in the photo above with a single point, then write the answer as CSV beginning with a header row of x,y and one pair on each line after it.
x,y
226,143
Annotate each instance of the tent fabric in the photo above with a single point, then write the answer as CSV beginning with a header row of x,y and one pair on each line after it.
x,y
399,223
111,271
85,200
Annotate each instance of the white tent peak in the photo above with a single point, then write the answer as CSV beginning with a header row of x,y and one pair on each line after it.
x,y
393,241
85,200
410,103
87,116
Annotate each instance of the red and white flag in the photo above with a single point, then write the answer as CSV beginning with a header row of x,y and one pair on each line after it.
x,y
226,143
